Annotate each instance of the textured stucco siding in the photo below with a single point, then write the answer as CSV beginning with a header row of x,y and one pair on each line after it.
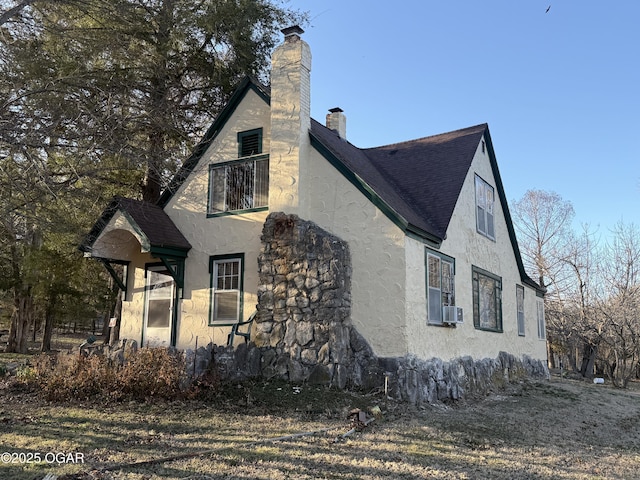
x,y
217,235
132,313
118,240
468,248
376,244
290,123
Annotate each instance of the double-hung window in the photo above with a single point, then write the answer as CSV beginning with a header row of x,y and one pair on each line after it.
x,y
240,185
520,309
226,288
541,321
485,198
487,300
440,285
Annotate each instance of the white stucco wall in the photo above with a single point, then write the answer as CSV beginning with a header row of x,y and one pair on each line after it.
x,y
376,245
132,313
468,248
217,235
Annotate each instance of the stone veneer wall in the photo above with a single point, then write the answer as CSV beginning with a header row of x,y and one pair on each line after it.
x,y
303,323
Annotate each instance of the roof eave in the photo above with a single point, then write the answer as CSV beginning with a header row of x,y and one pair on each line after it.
x,y
369,193
507,215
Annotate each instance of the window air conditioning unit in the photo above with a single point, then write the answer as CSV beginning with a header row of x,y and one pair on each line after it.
x,y
452,315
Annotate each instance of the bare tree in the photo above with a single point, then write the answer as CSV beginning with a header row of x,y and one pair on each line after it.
x,y
543,223
619,305
543,226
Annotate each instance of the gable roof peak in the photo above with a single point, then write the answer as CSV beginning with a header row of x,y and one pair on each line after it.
x,y
439,137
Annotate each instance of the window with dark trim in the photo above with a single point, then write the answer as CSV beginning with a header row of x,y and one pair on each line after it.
x,y
250,143
485,198
520,309
227,272
487,300
440,285
239,186
541,320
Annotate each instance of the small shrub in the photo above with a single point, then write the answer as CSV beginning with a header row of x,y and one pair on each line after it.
x,y
25,374
149,373
152,373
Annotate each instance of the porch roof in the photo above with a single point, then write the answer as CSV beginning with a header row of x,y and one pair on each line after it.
x,y
148,223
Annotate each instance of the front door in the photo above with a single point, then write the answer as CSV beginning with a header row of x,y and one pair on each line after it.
x,y
159,307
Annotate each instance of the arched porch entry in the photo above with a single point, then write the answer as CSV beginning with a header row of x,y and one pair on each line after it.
x,y
132,232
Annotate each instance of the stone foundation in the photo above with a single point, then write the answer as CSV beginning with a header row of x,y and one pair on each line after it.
x,y
409,379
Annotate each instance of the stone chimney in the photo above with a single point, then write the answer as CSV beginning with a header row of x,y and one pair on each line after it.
x,y
290,123
336,120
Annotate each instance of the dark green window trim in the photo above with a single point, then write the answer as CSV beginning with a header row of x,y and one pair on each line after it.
x,y
479,275
485,208
434,289
540,314
174,311
258,187
520,310
216,259
250,143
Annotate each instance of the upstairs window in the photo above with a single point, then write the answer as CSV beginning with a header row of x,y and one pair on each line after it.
x,y
487,300
484,208
240,185
440,286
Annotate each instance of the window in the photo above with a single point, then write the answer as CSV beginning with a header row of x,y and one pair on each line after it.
x,y
541,325
440,286
484,208
487,300
520,309
250,143
239,185
226,288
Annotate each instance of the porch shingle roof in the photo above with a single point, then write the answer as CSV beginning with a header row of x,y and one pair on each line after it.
x,y
151,219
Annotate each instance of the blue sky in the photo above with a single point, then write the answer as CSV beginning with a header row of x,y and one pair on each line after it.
x,y
560,90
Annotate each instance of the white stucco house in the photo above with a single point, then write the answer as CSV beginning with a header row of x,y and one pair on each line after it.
x,y
434,267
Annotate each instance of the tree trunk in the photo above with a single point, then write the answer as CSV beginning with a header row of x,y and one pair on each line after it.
x,y
20,321
49,320
551,360
588,360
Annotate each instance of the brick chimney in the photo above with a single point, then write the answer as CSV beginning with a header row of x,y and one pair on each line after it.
x,y
336,120
290,123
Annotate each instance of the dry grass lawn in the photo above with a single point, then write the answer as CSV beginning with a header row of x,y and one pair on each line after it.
x,y
561,429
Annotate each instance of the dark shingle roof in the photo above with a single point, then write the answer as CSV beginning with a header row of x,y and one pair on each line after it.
x,y
420,179
152,220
